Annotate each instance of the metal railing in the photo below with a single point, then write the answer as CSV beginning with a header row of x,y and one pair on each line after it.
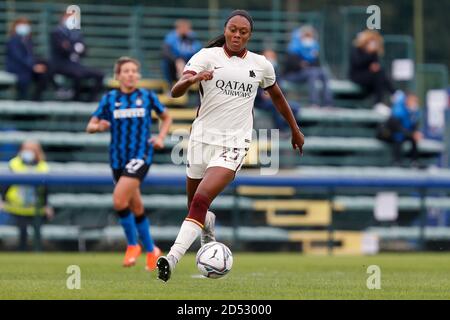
x,y
419,184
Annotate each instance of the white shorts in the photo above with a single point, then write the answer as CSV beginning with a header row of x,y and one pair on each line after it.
x,y
201,156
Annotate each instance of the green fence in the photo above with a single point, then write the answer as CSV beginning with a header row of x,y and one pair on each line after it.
x,y
114,30
431,76
111,31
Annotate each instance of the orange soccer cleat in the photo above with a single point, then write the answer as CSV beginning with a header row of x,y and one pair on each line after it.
x,y
131,255
151,259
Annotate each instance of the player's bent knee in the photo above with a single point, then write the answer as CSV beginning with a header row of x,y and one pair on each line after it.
x,y
120,203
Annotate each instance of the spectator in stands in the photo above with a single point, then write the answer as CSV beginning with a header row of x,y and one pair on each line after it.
x,y
179,46
303,64
405,120
67,49
366,70
21,200
402,127
264,102
21,61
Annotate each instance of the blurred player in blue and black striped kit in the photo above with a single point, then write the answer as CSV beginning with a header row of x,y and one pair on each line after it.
x,y
127,113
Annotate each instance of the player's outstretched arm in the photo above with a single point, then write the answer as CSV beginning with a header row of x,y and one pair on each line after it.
x,y
158,142
188,80
97,125
280,102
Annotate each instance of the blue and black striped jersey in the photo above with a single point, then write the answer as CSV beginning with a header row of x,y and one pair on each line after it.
x,y
130,118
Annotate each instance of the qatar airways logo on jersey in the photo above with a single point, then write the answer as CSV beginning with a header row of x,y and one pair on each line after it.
x,y
129,113
235,88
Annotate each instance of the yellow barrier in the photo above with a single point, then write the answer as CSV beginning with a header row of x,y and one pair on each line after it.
x,y
310,212
316,242
265,191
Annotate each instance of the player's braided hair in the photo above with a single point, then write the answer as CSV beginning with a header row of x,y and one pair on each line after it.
x,y
220,40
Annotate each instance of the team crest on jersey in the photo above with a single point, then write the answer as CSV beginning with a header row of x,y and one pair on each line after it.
x,y
117,104
138,102
252,74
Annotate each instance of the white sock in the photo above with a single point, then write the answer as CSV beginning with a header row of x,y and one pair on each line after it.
x,y
189,231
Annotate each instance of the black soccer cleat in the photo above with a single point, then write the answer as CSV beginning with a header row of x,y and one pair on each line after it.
x,y
164,271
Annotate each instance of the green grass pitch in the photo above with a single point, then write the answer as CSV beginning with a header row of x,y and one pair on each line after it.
x,y
254,276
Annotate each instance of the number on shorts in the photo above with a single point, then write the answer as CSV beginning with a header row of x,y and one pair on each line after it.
x,y
231,154
134,165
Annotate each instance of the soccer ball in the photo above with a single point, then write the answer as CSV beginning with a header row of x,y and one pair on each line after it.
x,y
214,260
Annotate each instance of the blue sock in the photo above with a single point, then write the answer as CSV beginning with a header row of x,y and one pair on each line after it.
x,y
129,226
143,228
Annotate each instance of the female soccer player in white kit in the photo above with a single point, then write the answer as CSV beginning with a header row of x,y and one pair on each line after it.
x,y
229,76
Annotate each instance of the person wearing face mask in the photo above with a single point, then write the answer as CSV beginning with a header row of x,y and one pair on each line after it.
x,y
179,46
67,49
366,69
21,61
303,64
20,200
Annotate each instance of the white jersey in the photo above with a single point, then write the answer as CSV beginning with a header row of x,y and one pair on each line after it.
x,y
225,115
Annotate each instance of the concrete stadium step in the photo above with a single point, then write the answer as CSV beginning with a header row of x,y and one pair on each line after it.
x,y
337,86
169,233
363,203
159,233
340,115
57,108
367,172
50,108
94,168
316,144
164,201
7,79
408,233
72,116
154,201
331,172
